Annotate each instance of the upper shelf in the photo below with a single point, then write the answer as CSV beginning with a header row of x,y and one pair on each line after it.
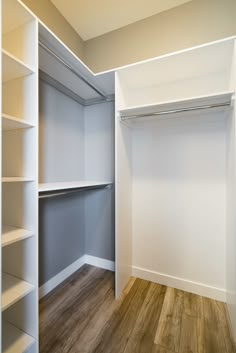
x,y
13,68
139,116
53,67
60,186
201,71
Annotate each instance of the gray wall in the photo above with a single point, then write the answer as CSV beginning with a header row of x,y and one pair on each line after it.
x,y
100,165
75,143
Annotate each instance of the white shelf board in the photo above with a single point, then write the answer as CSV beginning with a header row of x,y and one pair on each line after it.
x,y
71,185
12,123
18,16
218,98
15,179
13,68
12,235
15,340
13,289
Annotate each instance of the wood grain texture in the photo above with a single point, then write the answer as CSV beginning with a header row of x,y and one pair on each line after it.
x,y
82,316
169,327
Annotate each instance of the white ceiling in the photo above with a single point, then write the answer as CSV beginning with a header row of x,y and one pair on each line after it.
x,y
92,18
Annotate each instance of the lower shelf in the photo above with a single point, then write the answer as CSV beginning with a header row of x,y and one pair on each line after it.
x,y
15,340
11,235
13,289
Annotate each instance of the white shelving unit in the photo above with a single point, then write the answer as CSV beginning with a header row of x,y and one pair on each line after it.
x,y
13,289
12,235
15,339
13,68
14,123
19,179
45,187
175,170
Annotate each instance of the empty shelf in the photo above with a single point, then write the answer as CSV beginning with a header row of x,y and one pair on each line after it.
x,y
71,185
13,289
13,68
11,235
15,340
133,114
13,123
15,179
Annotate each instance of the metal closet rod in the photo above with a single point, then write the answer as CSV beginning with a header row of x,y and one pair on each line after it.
x,y
52,53
73,191
181,110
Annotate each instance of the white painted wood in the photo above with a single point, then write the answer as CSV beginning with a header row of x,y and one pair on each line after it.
x,y
179,76
19,43
15,340
180,283
13,68
101,263
14,123
19,178
70,185
177,167
17,155
61,276
75,266
123,197
231,205
15,179
13,289
12,235
15,16
105,82
23,90
23,316
212,99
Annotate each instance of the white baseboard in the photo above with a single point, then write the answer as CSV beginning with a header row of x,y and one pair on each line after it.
x,y
68,271
98,262
179,283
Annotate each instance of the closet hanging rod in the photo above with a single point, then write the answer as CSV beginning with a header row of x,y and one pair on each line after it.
x,y
181,110
45,196
52,53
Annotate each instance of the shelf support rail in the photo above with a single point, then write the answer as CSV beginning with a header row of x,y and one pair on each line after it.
x,y
174,111
67,192
52,53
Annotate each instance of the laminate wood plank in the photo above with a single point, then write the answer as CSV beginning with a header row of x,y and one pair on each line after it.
x,y
82,316
119,328
146,325
192,335
193,305
71,321
158,349
217,334
90,336
169,328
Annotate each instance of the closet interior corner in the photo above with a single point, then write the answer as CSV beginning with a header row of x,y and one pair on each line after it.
x,y
131,170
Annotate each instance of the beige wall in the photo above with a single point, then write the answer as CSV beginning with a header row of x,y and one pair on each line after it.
x,y
194,23
52,18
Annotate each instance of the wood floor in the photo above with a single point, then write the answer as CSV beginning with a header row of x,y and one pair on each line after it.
x,y
81,316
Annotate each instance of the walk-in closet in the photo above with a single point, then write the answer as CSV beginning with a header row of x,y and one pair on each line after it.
x,y
118,196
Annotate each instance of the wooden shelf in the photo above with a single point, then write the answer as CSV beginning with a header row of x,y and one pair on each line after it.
x,y
15,340
13,289
13,68
13,123
71,185
12,235
15,179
